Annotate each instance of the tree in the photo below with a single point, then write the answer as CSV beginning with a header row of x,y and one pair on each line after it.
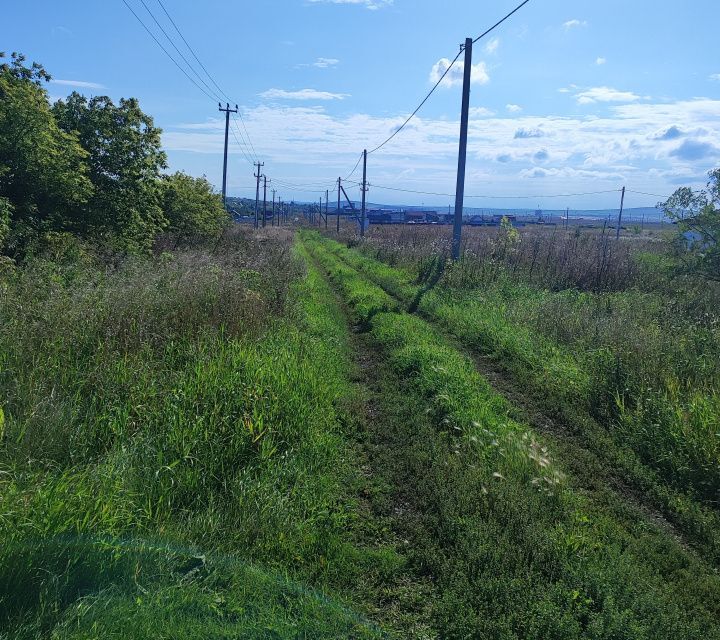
x,y
191,206
697,215
125,160
43,173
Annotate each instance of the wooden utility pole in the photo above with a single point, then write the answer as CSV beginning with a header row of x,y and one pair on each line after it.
x,y
258,175
364,190
264,199
337,230
227,111
327,197
462,152
272,219
619,222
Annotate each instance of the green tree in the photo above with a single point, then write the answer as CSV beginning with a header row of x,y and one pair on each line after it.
x,y
191,206
5,213
43,172
697,215
125,161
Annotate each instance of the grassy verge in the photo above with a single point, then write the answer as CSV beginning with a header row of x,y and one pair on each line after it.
x,y
174,458
513,549
657,455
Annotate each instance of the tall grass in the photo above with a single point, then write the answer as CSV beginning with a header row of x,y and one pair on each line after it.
x,y
514,550
173,460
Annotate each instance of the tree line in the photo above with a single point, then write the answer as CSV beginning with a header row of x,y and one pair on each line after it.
x,y
90,168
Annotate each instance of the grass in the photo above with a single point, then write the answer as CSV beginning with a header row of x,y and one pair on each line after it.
x,y
175,457
575,353
513,549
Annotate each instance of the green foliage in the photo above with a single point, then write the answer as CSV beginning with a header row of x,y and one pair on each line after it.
x,y
191,207
170,454
697,215
514,552
5,214
43,172
125,159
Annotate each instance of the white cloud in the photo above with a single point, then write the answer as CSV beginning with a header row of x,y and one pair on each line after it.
x,y
320,63
605,94
600,60
368,4
481,112
513,108
715,76
82,84
324,63
492,46
571,24
478,74
625,143
302,94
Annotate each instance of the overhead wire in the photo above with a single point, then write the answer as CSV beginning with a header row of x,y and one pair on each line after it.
x,y
497,24
208,74
497,197
167,53
206,89
185,60
442,77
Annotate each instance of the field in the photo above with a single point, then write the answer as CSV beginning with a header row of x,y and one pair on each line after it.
x,y
289,434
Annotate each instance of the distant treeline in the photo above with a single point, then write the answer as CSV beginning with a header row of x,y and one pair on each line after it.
x,y
90,168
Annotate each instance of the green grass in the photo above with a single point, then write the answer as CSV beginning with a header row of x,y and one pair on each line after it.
x,y
663,436
513,549
175,458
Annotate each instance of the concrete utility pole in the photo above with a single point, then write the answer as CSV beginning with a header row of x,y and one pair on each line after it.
x,y
227,111
258,175
364,190
272,219
327,197
320,213
264,199
338,209
622,202
462,153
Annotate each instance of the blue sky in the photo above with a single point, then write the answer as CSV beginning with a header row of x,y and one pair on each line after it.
x,y
568,97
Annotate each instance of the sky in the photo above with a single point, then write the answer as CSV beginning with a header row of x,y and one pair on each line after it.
x,y
567,97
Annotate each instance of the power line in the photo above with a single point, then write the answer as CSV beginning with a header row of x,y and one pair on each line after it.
x,y
243,145
643,193
442,77
192,51
357,164
494,197
412,115
185,60
167,53
208,91
497,24
207,73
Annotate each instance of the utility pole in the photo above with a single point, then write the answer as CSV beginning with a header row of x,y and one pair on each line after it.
x,y
622,202
320,213
338,209
327,197
462,152
264,199
567,218
364,190
227,111
272,219
258,175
